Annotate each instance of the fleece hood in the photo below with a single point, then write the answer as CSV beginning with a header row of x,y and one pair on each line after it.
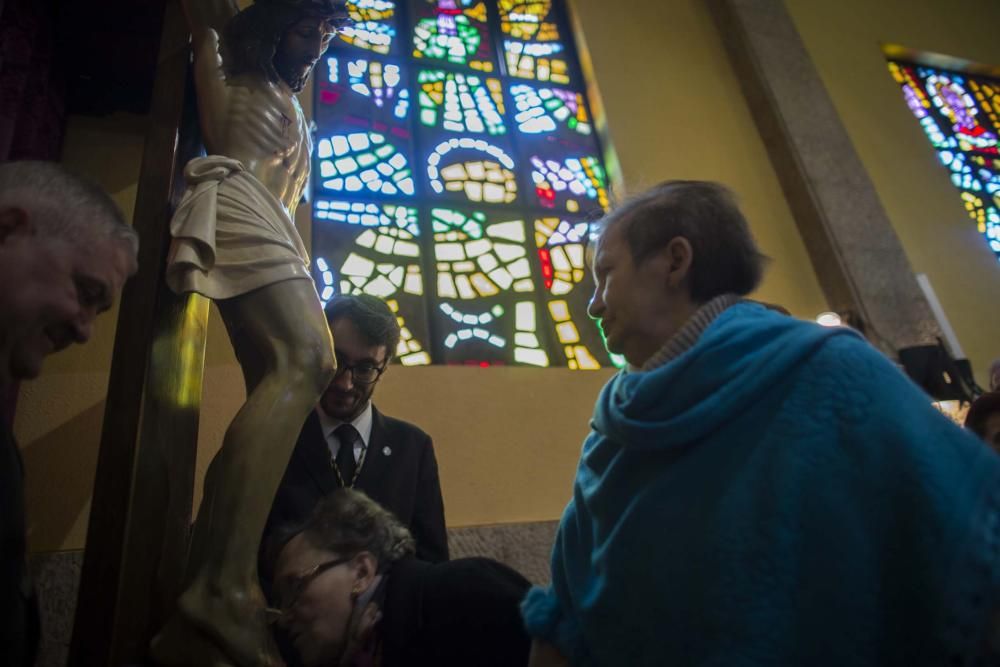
x,y
741,356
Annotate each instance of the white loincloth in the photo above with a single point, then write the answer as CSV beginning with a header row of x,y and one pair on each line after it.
x,y
230,235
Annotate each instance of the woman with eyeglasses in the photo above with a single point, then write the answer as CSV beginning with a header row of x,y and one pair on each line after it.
x,y
350,593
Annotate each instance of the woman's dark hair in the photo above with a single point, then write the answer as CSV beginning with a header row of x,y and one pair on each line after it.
x,y
725,256
980,411
250,39
345,523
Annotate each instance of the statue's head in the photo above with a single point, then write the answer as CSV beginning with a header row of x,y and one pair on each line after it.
x,y
281,39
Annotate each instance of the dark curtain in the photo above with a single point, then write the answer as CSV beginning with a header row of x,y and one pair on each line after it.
x,y
32,94
32,90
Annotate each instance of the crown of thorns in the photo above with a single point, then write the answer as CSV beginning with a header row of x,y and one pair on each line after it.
x,y
332,10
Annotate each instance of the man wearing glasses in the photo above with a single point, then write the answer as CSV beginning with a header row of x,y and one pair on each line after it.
x,y
346,442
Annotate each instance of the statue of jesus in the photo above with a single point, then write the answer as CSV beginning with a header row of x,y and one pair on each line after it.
x,y
235,242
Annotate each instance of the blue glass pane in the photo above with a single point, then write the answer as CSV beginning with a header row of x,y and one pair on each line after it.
x,y
373,27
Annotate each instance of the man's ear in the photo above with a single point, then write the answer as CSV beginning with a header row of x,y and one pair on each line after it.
x,y
14,221
679,256
365,569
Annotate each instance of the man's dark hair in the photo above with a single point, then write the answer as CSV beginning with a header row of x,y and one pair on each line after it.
x,y
373,318
250,39
345,523
725,256
980,411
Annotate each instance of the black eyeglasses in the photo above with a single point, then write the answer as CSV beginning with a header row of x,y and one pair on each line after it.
x,y
290,593
364,373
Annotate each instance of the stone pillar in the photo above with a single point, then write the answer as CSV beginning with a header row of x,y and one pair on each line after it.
x,y
858,258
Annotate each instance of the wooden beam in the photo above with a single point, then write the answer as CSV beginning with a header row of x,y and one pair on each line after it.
x,y
141,511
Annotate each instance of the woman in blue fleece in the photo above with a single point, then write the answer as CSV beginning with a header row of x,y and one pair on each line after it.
x,y
758,490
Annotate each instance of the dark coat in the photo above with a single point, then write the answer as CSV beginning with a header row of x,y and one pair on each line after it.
x,y
18,606
399,472
457,614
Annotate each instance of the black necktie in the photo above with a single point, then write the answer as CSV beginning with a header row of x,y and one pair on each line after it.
x,y
345,463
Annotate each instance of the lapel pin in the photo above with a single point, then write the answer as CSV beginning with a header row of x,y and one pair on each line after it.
x,y
387,451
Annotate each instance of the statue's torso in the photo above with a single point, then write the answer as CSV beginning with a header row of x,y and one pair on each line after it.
x,y
265,129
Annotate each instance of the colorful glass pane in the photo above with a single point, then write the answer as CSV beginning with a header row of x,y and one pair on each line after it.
x,y
527,20
568,182
959,115
476,260
547,110
561,246
374,249
367,215
372,26
362,91
561,250
363,162
454,31
461,102
473,168
541,61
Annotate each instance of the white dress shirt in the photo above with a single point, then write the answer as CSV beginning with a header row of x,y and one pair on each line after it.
x,y
363,424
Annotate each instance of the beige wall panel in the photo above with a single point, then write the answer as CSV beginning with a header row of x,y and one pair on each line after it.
x,y
843,39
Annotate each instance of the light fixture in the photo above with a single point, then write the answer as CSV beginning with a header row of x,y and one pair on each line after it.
x,y
829,319
954,410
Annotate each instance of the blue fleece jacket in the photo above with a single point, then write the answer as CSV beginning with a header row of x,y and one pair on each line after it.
x,y
779,494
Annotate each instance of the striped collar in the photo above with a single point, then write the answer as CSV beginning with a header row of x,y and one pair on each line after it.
x,y
689,334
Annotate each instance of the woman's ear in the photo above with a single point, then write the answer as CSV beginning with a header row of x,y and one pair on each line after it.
x,y
365,568
679,257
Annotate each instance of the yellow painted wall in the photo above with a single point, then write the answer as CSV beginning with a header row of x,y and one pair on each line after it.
x,y
507,439
674,110
843,40
59,415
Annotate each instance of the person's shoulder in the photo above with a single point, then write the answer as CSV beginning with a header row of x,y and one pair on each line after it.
x,y
473,577
850,349
400,428
479,566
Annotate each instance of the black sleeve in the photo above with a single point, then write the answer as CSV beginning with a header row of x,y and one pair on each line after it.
x,y
428,525
18,606
471,615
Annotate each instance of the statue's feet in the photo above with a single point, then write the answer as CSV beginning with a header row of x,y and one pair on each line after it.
x,y
217,631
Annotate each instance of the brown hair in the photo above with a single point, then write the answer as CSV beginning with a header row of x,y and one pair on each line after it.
x,y
375,321
979,412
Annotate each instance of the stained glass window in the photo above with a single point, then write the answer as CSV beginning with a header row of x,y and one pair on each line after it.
x,y
455,31
959,114
457,173
372,27
460,103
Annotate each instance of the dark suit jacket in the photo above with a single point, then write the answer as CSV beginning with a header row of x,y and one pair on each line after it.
x,y
19,630
463,613
399,472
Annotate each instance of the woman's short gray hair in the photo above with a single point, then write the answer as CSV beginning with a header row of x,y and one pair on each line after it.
x,y
70,207
725,256
348,522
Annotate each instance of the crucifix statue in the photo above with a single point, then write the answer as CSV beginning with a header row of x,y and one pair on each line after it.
x,y
235,242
